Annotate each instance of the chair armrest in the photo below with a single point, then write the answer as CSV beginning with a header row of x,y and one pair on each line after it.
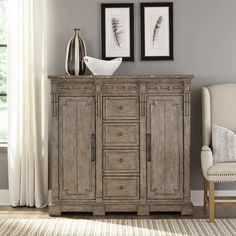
x,y
206,160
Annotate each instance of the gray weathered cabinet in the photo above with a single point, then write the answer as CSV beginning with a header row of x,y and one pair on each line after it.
x,y
120,143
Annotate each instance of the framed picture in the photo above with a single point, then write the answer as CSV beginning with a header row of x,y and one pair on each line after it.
x,y
157,31
117,31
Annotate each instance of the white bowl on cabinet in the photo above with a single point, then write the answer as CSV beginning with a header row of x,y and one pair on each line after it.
x,y
102,67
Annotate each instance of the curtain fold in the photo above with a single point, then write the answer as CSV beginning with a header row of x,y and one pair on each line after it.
x,y
27,103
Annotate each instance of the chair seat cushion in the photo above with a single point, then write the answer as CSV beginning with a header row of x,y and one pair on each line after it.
x,y
224,144
222,172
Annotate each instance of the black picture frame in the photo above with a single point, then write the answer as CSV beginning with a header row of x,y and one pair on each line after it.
x,y
167,53
127,52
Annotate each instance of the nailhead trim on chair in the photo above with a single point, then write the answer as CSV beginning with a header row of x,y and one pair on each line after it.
x,y
206,150
222,174
223,181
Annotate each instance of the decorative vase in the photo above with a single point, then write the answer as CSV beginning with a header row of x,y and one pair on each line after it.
x,y
76,50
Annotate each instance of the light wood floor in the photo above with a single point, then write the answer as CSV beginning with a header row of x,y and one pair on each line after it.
x,y
33,213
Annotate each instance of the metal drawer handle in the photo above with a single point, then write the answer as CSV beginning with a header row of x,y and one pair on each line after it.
x,y
93,147
121,107
121,160
120,133
121,187
149,147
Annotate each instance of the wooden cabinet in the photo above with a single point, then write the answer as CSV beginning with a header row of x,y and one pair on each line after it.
x,y
120,143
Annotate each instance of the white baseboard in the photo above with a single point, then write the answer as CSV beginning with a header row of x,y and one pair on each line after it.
x,y
4,197
196,196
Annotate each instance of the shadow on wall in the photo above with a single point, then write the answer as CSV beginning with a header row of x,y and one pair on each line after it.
x,y
196,134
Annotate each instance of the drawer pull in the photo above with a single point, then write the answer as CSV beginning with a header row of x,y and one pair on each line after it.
x,y
121,160
121,107
121,187
120,133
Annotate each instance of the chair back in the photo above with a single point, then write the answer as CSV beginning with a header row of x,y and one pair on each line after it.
x,y
218,107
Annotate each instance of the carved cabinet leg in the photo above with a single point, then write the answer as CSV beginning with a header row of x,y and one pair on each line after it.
x,y
187,209
143,210
54,210
99,211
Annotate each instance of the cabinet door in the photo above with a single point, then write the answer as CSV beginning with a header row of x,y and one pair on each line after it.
x,y
77,147
164,147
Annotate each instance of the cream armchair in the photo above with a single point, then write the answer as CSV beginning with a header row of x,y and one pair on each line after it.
x,y
218,107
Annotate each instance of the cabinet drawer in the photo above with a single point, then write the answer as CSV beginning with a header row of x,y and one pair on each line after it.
x,y
117,134
121,187
121,108
121,161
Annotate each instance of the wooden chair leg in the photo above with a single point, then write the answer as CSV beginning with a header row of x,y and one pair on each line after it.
x,y
205,194
211,205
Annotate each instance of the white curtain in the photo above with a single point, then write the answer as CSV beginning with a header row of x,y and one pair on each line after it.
x,y
27,103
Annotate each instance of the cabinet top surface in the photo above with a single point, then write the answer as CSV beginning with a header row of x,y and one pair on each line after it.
x,y
120,77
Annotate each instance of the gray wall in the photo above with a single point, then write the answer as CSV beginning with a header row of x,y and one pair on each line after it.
x,y
204,45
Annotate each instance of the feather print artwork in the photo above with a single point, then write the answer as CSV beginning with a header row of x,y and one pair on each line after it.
x,y
117,31
156,29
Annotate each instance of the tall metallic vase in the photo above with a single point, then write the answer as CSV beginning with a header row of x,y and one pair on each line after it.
x,y
76,50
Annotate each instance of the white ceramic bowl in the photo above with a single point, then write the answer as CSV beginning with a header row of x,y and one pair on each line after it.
x,y
102,67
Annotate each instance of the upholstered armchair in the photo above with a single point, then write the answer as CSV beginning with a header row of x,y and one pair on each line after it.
x,y
218,107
